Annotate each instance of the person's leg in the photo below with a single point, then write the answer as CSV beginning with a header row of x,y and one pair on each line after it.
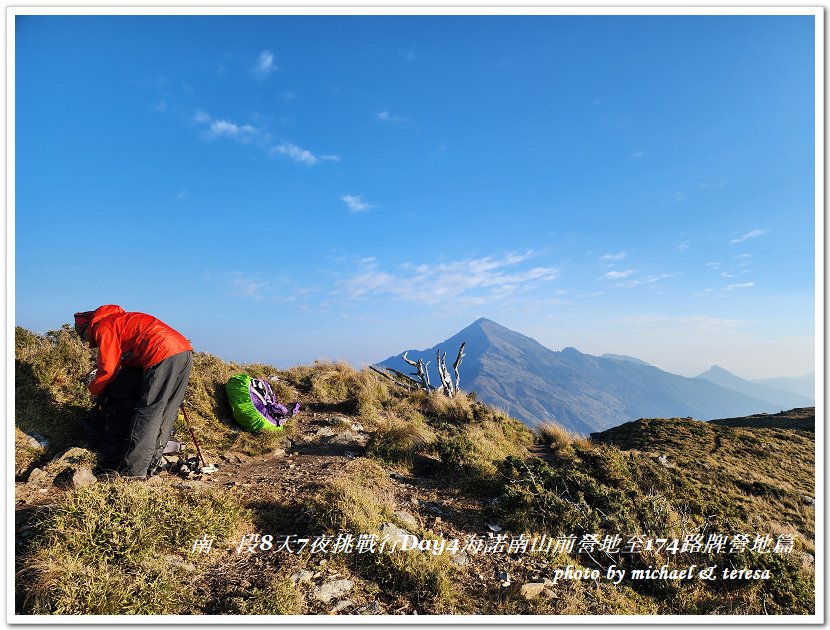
x,y
181,368
159,382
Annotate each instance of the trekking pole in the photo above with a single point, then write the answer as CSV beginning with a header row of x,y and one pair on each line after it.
x,y
193,435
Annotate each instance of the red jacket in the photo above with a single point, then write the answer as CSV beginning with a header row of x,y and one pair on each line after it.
x,y
141,340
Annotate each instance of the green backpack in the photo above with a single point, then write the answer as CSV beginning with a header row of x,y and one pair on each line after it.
x,y
254,405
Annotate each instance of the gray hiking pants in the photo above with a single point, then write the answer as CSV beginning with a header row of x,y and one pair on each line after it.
x,y
162,393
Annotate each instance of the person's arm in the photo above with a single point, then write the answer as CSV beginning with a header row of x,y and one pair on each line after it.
x,y
109,357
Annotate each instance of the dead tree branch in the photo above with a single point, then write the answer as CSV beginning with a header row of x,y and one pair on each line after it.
x,y
422,373
455,365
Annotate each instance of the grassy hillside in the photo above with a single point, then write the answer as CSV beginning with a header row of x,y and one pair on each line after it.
x,y
377,462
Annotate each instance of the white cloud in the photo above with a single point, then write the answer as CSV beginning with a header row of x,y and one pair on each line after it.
x,y
355,203
216,128
220,128
264,65
747,236
619,256
474,281
650,281
638,155
616,275
227,129
302,156
743,285
683,246
713,265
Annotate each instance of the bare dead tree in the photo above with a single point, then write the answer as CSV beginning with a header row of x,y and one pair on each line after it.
x,y
422,373
421,380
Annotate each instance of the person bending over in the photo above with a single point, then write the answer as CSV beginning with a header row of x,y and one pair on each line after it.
x,y
165,357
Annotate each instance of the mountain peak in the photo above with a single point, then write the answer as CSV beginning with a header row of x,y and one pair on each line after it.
x,y
716,370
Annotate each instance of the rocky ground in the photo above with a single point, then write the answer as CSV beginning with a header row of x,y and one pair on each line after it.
x,y
276,488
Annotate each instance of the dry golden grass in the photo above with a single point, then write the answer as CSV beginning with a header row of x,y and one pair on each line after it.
x,y
360,501
105,550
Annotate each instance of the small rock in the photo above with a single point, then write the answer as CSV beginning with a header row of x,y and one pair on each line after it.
x,y
75,477
532,590
356,426
372,608
325,432
394,532
344,438
461,559
279,452
83,477
504,578
664,460
302,576
808,500
330,590
548,594
37,475
342,605
395,475
493,527
407,519
35,440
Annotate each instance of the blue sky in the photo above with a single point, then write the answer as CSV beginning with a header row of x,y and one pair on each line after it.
x,y
285,188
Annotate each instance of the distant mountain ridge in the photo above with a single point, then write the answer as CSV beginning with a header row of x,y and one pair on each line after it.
x,y
582,392
781,399
801,385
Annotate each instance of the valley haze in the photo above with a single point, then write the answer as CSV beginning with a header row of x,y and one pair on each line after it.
x,y
587,393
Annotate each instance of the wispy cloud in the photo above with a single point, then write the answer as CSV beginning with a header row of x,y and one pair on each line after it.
x,y
743,285
264,65
683,246
638,155
650,281
619,256
355,203
228,129
747,236
616,275
472,281
303,156
214,128
247,286
160,106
